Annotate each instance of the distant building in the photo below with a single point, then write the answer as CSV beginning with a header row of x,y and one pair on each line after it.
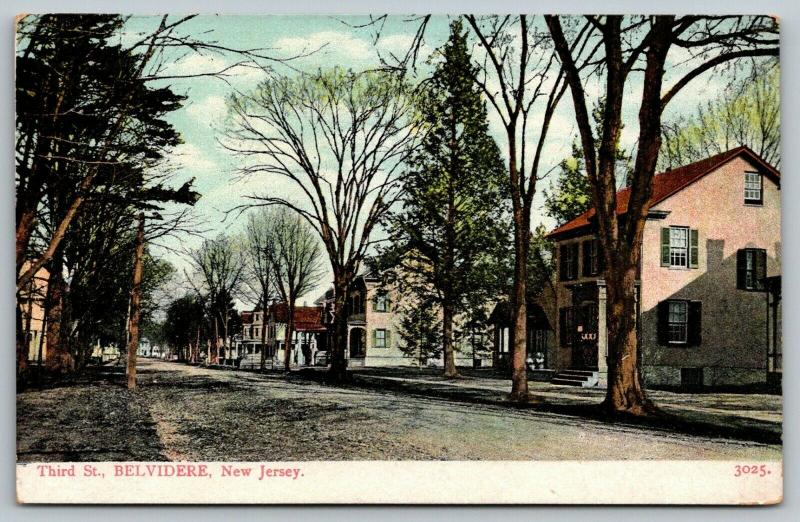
x,y
709,298
374,330
31,303
309,334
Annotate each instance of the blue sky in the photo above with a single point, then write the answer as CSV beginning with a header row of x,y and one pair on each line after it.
x,y
337,42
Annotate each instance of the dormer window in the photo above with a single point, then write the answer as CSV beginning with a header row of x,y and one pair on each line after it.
x,y
753,188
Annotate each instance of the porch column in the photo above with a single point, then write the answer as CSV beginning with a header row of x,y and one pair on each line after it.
x,y
602,334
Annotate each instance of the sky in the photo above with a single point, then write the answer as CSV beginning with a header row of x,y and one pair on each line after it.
x,y
331,41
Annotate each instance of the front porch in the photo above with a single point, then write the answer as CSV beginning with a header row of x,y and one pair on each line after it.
x,y
539,345
583,335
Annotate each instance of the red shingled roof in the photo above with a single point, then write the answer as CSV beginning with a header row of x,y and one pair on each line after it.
x,y
668,183
306,318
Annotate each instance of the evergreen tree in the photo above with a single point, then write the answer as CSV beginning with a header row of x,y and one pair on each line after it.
x,y
570,196
451,232
421,332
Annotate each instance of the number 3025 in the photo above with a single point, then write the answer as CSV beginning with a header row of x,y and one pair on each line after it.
x,y
757,470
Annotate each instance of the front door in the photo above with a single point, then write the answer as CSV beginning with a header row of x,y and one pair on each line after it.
x,y
358,343
584,349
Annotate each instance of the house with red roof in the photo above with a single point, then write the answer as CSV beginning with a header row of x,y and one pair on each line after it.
x,y
709,280
269,326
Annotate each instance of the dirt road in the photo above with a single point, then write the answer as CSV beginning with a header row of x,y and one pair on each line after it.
x,y
181,412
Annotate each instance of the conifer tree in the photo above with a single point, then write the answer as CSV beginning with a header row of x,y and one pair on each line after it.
x,y
452,227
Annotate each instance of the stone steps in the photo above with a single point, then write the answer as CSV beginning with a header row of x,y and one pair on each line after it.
x,y
582,378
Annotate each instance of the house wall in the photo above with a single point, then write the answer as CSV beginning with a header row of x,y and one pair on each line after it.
x,y
33,311
390,321
393,355
733,326
562,355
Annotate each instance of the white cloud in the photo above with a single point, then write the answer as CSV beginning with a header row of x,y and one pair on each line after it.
x,y
192,158
399,44
325,42
195,64
208,110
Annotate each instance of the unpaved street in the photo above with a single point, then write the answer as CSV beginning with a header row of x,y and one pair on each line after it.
x,y
182,412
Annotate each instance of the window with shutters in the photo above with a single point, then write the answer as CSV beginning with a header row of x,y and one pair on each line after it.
x,y
381,338
751,269
753,188
680,247
678,322
568,256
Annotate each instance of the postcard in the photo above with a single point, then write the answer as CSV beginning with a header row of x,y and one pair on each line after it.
x,y
420,259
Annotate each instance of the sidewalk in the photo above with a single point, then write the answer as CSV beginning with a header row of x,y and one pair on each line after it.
x,y
754,417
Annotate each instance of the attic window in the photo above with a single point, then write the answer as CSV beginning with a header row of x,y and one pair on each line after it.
x,y
753,193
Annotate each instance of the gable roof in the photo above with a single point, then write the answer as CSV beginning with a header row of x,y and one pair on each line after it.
x,y
668,183
306,318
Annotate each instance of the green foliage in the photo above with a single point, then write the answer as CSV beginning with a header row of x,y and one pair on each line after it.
x,y
421,332
451,236
571,195
746,113
84,111
541,261
185,316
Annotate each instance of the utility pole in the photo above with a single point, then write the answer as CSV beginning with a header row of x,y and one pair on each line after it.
x,y
136,304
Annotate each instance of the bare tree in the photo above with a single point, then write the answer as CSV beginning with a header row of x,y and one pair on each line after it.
x,y
633,46
521,79
746,113
519,75
296,263
339,138
259,250
220,266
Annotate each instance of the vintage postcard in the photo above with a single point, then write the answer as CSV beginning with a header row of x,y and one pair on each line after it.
x,y
398,259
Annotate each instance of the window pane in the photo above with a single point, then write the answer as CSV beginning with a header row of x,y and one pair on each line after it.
x,y
678,246
752,186
678,321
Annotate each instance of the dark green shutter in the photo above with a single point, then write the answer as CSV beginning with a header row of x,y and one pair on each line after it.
x,y
587,258
694,240
662,313
665,247
760,268
695,323
562,262
388,338
375,303
576,252
741,269
601,258
374,338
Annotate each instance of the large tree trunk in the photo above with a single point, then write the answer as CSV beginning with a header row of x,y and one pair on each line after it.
x,y
624,392
338,364
136,304
447,340
215,360
287,352
264,336
519,302
22,346
59,360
